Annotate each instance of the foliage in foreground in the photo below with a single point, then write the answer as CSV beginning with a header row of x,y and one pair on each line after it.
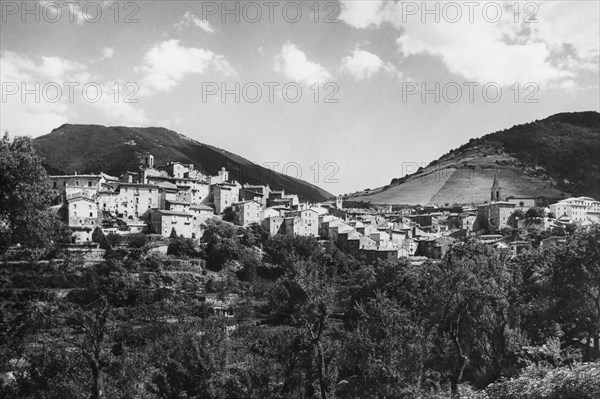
x,y
309,322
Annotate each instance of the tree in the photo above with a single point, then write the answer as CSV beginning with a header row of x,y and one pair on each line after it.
x,y
228,214
222,244
137,240
575,283
99,237
513,219
535,212
386,350
25,197
304,298
470,299
190,365
182,247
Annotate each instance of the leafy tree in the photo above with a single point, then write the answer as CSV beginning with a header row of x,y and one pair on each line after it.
x,y
228,214
513,219
470,299
25,197
190,365
137,240
115,240
182,247
99,237
285,250
575,282
535,212
386,351
304,298
222,244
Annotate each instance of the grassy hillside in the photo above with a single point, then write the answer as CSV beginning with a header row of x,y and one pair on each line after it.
x,y
555,157
114,150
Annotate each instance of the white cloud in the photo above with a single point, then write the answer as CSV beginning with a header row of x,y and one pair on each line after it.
x,y
363,64
574,23
363,14
80,13
60,70
293,63
35,115
480,53
167,63
108,52
190,19
504,52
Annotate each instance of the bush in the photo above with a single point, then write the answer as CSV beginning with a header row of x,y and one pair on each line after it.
x,y
183,247
99,237
114,240
222,244
250,264
155,262
137,240
581,381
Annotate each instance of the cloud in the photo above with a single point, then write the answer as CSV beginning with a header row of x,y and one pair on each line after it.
x,y
52,105
190,19
504,52
480,53
90,13
293,63
107,52
60,70
363,64
19,68
363,14
167,63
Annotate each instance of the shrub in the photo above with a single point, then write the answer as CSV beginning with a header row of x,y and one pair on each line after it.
x,y
581,381
184,247
137,240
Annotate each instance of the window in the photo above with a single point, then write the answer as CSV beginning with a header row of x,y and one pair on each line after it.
x,y
89,184
91,215
77,182
54,184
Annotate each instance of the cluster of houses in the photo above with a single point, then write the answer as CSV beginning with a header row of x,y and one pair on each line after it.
x,y
178,199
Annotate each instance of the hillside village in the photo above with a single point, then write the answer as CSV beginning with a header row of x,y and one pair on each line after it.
x,y
176,200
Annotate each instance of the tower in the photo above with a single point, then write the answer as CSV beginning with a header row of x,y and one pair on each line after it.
x,y
496,193
149,161
339,202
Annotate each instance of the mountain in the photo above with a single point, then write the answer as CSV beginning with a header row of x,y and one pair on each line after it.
x,y
114,150
555,157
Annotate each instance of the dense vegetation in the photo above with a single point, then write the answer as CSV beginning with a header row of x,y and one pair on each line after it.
x,y
114,150
309,322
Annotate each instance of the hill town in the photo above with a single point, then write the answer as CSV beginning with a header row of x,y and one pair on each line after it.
x,y
128,285
176,200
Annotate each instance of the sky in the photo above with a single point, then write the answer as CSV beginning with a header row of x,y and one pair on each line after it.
x,y
344,94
